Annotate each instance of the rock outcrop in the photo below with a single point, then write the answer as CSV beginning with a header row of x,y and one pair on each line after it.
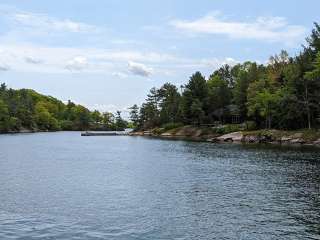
x,y
261,136
231,137
317,142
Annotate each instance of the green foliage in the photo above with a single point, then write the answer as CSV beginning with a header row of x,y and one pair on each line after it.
x,y
219,95
120,123
157,131
171,125
169,100
228,128
194,99
27,109
282,94
250,125
134,116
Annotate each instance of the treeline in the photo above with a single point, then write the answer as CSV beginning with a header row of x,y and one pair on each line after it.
x,y
283,94
26,109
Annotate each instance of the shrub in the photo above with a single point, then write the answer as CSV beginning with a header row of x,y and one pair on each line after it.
x,y
228,128
66,125
157,131
169,126
250,125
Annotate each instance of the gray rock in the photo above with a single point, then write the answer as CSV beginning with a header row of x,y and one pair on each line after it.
x,y
297,141
317,142
231,137
251,139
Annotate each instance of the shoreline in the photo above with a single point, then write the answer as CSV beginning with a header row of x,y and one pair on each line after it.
x,y
269,137
198,134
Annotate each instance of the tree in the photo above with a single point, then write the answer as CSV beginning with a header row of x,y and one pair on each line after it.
x,y
82,118
264,103
225,73
197,111
134,115
27,109
96,116
149,116
3,87
219,95
4,117
169,100
44,120
311,82
314,40
196,94
149,111
108,120
120,123
197,86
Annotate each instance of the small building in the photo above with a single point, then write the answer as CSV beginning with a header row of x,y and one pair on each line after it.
x,y
234,112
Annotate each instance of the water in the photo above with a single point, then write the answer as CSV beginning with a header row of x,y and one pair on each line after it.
x,y
63,186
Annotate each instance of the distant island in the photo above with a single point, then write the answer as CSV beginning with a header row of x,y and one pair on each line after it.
x,y
26,110
283,95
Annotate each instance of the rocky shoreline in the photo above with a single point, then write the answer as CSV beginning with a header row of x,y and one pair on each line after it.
x,y
254,137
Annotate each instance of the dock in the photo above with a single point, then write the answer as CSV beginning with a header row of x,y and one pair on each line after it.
x,y
89,134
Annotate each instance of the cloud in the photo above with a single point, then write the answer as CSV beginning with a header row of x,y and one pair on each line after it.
x,y
134,55
27,57
273,29
216,63
4,67
115,62
33,60
139,69
77,63
44,22
119,75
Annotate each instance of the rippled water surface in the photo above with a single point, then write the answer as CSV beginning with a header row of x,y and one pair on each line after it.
x,y
63,186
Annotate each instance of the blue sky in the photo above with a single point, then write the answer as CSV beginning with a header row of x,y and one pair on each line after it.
x,y
107,54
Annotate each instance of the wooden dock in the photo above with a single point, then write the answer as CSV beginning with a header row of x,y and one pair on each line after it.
x,y
92,134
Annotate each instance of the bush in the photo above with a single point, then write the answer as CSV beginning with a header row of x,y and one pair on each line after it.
x,y
169,126
66,125
250,125
228,128
14,123
157,131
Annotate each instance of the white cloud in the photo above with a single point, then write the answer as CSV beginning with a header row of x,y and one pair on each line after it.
x,y
274,29
77,63
139,69
4,67
134,55
33,60
118,63
60,59
215,63
44,22
119,74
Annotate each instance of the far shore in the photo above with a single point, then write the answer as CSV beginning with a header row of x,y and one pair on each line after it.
x,y
302,137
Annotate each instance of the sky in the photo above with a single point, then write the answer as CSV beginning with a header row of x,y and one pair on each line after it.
x,y
107,54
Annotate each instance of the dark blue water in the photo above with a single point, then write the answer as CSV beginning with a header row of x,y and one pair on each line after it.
x,y
63,186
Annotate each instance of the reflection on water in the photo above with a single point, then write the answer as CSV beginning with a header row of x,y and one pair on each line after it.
x,y
63,186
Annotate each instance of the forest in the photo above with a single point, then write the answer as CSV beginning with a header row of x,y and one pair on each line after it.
x,y
25,109
282,94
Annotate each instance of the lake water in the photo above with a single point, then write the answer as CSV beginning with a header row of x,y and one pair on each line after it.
x,y
63,186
